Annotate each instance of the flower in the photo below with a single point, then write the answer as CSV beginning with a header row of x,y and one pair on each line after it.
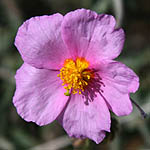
x,y
69,73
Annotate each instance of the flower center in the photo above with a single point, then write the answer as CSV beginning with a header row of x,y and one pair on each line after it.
x,y
75,75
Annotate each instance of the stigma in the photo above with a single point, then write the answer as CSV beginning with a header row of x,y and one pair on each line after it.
x,y
75,75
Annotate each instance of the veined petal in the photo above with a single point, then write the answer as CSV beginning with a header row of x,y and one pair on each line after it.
x,y
122,76
119,81
39,96
91,35
39,42
81,120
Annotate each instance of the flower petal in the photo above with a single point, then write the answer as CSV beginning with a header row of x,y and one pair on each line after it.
x,y
91,35
39,96
119,81
81,120
39,42
124,78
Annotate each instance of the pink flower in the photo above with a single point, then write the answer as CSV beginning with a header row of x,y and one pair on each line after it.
x,y
69,73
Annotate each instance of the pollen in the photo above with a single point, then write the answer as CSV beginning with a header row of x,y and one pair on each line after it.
x,y
75,75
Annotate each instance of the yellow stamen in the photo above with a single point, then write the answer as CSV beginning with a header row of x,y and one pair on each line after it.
x,y
67,93
75,75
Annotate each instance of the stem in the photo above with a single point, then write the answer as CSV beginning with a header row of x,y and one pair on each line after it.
x,y
78,144
83,144
144,115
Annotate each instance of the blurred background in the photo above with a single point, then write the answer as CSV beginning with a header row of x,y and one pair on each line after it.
x,y
131,132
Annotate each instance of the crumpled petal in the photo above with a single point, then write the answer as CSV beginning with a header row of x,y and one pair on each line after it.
x,y
81,120
92,36
39,96
119,81
39,42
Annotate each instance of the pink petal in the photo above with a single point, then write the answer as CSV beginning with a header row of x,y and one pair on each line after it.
x,y
81,120
39,96
124,78
119,82
92,36
39,42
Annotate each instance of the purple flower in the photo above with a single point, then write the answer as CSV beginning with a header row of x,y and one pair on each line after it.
x,y
69,73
